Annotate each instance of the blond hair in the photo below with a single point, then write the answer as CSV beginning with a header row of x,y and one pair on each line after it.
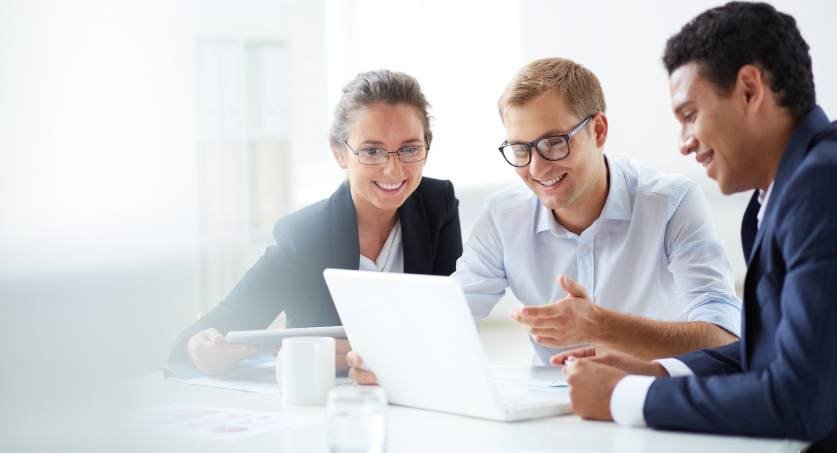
x,y
577,86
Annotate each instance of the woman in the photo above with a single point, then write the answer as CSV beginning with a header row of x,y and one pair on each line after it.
x,y
385,217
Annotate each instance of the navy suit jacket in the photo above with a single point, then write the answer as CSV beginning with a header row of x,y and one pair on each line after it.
x,y
289,276
780,379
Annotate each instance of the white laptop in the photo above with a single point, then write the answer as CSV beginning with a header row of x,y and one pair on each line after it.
x,y
417,334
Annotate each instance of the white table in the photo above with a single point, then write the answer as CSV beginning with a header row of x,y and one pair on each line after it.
x,y
413,430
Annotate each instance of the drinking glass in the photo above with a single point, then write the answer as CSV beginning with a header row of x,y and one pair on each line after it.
x,y
357,420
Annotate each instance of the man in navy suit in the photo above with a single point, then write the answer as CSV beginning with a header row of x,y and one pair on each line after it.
x,y
743,91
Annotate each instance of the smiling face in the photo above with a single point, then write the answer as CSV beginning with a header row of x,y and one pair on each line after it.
x,y
717,129
382,188
569,183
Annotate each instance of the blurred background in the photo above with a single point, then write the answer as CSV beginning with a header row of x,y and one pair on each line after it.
x,y
148,147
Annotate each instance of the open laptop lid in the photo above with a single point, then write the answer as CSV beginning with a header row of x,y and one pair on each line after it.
x,y
417,334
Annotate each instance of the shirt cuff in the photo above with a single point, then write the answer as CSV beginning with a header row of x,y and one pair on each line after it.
x,y
628,400
675,367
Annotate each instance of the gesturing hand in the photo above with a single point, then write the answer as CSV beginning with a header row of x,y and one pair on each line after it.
x,y
571,320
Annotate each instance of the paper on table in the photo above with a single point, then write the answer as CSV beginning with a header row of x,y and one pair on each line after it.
x,y
219,423
533,376
254,374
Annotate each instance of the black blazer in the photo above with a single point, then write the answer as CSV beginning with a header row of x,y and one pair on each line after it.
x,y
289,276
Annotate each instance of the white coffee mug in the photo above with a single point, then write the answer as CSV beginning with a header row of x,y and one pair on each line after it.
x,y
305,370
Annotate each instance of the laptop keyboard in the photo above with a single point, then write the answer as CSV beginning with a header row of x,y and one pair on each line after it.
x,y
521,398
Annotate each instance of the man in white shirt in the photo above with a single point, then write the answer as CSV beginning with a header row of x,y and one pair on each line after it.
x,y
641,267
742,89
642,270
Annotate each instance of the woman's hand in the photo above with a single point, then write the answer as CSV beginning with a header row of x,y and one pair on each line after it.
x,y
342,348
212,355
356,372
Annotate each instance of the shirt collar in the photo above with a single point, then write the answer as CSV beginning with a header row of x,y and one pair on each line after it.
x,y
546,221
617,205
764,197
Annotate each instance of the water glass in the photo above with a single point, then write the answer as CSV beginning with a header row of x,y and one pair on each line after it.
x,y
357,421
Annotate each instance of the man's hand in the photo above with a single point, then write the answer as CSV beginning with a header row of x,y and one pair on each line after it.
x,y
571,320
621,361
591,387
356,372
212,355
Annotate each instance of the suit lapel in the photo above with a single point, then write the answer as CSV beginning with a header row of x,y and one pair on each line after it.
x,y
345,245
807,133
415,236
755,265
749,225
752,251
787,166
801,141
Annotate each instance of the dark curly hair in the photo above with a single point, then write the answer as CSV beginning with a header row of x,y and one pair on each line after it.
x,y
724,39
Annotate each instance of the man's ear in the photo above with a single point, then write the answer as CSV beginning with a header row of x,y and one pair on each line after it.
x,y
339,155
600,129
752,86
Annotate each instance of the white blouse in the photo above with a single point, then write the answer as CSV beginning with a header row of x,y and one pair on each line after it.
x,y
391,256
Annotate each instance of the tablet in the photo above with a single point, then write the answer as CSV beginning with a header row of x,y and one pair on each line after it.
x,y
264,339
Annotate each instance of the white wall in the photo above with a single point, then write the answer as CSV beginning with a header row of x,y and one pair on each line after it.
x,y
97,172
95,129
98,167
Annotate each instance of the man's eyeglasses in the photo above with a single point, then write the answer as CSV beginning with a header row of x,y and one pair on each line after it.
x,y
377,156
556,147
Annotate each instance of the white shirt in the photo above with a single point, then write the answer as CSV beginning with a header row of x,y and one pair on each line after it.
x,y
628,399
764,196
391,256
652,252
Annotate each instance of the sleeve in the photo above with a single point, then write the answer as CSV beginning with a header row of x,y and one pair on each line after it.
x,y
480,270
721,360
702,271
450,236
629,394
793,395
253,304
627,399
675,367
